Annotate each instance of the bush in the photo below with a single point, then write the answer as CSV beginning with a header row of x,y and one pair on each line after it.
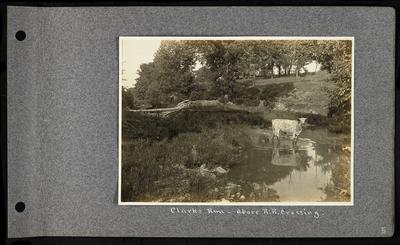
x,y
340,124
251,96
139,168
169,169
271,92
247,82
137,125
314,119
248,96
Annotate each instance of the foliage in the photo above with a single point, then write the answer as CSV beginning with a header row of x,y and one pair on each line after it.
x,y
136,125
316,120
340,186
340,98
147,89
271,92
251,96
167,169
128,98
171,78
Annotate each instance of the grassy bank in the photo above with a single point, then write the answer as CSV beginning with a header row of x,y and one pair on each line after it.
x,y
137,125
172,170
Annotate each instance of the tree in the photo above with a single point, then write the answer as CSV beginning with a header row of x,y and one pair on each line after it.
x,y
147,88
222,58
336,57
127,98
169,77
297,53
341,52
175,62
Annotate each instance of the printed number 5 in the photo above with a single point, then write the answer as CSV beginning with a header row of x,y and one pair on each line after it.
x,y
383,230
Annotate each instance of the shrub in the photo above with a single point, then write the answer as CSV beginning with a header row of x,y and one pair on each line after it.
x,y
314,119
271,92
137,125
168,169
139,169
340,124
250,96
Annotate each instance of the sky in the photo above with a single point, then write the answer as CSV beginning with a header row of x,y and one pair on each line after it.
x,y
134,53
138,51
313,66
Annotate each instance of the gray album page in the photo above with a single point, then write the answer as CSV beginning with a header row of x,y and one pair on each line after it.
x,y
276,164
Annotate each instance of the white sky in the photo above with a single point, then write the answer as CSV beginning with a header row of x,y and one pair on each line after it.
x,y
313,66
134,53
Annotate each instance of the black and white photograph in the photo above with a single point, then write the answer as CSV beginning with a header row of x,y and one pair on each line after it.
x,y
236,120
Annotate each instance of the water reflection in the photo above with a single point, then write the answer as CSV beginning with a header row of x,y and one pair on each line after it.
x,y
308,172
305,180
284,157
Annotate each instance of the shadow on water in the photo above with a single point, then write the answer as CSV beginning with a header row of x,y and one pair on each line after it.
x,y
308,172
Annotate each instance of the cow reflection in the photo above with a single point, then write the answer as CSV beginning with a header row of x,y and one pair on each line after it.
x,y
285,157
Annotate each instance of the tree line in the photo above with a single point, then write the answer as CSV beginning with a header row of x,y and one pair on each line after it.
x,y
173,77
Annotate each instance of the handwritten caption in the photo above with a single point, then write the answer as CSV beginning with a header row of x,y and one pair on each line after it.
x,y
283,212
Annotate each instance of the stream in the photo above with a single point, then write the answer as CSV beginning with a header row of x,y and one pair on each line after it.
x,y
308,172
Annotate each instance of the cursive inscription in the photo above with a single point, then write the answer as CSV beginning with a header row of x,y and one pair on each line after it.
x,y
283,212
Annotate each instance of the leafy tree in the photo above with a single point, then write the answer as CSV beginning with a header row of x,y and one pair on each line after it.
x,y
222,58
336,57
174,62
147,88
169,77
341,71
297,53
128,98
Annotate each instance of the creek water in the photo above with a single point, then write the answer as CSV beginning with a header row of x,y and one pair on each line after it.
x,y
307,172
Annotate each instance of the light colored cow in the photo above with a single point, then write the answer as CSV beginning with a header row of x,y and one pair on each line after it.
x,y
293,127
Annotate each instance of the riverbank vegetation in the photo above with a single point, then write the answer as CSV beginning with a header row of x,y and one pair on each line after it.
x,y
181,169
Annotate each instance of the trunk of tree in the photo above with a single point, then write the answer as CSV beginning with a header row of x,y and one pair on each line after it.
x,y
288,73
279,70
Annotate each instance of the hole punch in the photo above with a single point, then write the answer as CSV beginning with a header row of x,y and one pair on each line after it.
x,y
20,207
20,35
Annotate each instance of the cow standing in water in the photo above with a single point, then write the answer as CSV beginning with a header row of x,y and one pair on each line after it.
x,y
293,127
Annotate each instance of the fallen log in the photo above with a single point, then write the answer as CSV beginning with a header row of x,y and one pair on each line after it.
x,y
184,105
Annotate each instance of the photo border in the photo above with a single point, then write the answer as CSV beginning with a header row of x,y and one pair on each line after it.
x,y
120,52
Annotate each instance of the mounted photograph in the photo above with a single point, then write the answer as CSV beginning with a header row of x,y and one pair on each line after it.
x,y
236,120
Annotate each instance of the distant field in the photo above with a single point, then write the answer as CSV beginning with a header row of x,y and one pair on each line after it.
x,y
309,96
313,77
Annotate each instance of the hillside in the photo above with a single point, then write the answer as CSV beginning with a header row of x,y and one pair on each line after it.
x,y
309,94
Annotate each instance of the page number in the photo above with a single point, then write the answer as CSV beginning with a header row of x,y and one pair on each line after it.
x,y
383,230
